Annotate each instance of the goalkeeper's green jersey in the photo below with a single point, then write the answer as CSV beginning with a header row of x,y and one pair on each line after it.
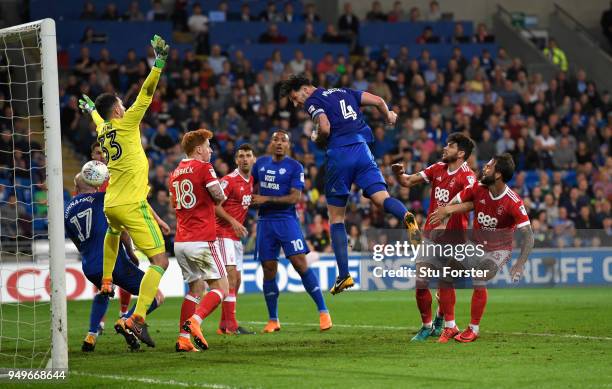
x,y
120,141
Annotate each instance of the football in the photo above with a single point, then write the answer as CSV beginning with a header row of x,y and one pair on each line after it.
x,y
94,173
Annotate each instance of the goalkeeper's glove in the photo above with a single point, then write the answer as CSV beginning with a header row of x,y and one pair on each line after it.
x,y
161,51
86,105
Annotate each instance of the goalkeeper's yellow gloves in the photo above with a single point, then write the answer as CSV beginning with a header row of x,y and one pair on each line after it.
x,y
86,105
161,51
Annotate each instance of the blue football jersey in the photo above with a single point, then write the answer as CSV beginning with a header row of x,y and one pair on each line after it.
x,y
86,226
276,179
341,105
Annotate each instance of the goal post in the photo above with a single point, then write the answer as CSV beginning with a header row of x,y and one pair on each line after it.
x,y
55,194
31,201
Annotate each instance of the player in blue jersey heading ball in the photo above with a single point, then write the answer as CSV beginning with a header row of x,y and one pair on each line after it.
x,y
340,126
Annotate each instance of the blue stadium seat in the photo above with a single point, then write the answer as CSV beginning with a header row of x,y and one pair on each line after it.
x,y
441,52
230,33
375,34
71,10
255,6
122,36
259,53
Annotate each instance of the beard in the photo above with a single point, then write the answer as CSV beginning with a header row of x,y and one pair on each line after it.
x,y
487,180
449,158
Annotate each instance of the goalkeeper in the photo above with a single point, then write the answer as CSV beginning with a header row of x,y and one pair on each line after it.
x,y
125,204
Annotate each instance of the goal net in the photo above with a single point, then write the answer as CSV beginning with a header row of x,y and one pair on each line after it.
x,y
33,327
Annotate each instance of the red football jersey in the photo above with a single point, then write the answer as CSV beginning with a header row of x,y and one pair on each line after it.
x,y
238,191
495,218
195,208
103,187
445,185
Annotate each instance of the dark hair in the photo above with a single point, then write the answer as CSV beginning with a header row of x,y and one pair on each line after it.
x,y
104,104
293,83
464,143
244,147
504,164
282,132
94,145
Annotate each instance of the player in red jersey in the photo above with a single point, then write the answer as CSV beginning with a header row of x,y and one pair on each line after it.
x,y
498,211
195,192
238,187
447,178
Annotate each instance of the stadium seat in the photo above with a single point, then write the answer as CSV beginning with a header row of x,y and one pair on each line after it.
x,y
259,53
230,33
375,34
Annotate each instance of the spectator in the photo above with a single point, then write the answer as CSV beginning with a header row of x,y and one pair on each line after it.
x,y
348,25
486,147
272,35
556,55
309,35
332,36
179,15
298,63
84,65
606,24
111,13
482,35
564,156
277,63
288,15
459,35
89,11
397,14
434,14
348,22
216,59
506,143
380,88
133,13
415,15
198,22
157,13
319,236
427,36
269,14
376,14
310,15
327,64
161,139
90,36
245,14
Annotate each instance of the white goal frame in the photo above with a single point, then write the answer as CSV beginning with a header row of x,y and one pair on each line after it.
x,y
55,196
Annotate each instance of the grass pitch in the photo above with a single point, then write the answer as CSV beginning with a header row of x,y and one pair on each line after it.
x,y
529,338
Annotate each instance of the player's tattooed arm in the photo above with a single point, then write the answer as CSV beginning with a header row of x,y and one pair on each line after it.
x,y
369,99
129,248
527,241
292,198
238,228
404,179
216,192
455,206
321,131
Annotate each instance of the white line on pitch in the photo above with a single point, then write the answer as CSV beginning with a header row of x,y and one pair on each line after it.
x,y
367,326
150,380
398,328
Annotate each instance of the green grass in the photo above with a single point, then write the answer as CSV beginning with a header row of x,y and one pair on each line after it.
x,y
369,346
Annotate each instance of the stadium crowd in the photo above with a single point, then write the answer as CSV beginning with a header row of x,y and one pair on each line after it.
x,y
558,131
